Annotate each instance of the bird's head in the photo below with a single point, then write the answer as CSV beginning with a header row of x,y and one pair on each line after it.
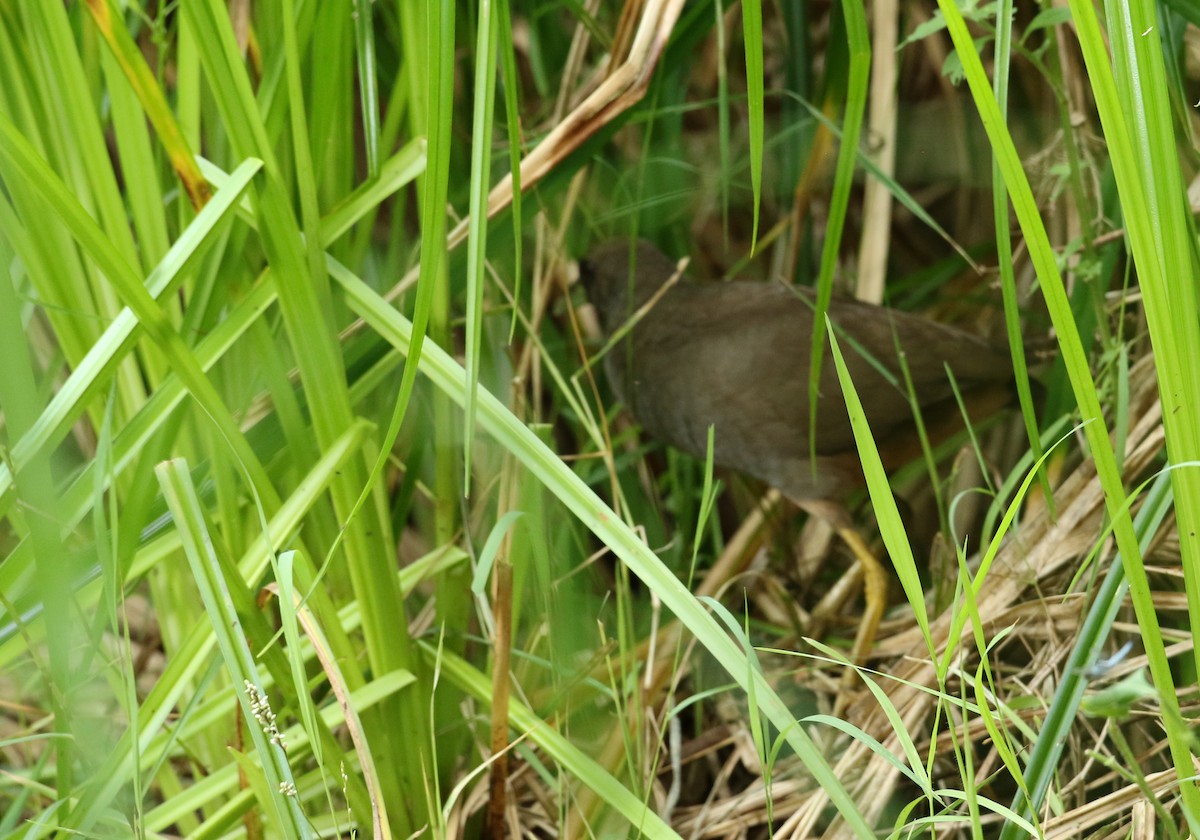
x,y
619,277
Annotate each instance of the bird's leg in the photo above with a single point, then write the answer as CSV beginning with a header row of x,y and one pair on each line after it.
x,y
836,597
875,584
874,580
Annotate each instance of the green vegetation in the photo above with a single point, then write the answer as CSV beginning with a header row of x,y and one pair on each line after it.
x,y
316,517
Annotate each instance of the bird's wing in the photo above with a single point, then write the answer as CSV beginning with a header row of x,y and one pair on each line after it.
x,y
722,351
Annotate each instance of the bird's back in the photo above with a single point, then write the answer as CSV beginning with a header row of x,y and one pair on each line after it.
x,y
737,356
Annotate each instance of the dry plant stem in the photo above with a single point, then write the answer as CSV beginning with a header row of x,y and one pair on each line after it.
x,y
546,274
575,55
726,814
1108,808
776,604
607,452
625,28
738,552
834,600
1074,73
877,199
955,133
814,168
1076,92
623,88
875,583
816,537
741,547
239,15
876,589
502,645
341,691
717,811
1143,821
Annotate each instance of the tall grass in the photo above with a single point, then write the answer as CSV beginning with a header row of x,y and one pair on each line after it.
x,y
316,522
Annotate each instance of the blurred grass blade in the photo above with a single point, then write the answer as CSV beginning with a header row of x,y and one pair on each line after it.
x,y
154,103
303,169
512,114
488,33
752,28
308,315
18,160
368,88
400,169
186,510
91,374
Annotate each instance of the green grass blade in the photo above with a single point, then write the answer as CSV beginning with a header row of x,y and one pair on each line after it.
x,y
752,28
486,47
856,103
891,527
368,87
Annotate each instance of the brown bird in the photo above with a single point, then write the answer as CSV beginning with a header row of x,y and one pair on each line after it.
x,y
737,355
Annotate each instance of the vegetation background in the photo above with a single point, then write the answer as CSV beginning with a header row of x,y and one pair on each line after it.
x,y
316,521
